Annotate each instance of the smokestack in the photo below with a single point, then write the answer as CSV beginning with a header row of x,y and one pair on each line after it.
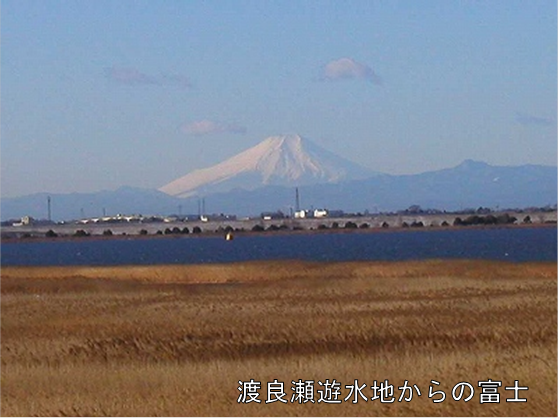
x,y
49,208
297,199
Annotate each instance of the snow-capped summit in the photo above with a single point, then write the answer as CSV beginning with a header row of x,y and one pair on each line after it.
x,y
286,160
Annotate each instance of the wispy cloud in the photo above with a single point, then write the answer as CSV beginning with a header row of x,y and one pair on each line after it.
x,y
347,68
175,80
526,119
206,127
133,77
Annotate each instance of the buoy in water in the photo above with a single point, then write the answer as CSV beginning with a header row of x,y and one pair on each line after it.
x,y
229,236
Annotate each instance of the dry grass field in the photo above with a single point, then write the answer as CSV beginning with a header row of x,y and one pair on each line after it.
x,y
175,340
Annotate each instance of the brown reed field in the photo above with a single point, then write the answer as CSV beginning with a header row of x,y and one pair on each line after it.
x,y
176,340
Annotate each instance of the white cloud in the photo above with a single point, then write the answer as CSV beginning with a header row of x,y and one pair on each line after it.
x,y
205,127
347,68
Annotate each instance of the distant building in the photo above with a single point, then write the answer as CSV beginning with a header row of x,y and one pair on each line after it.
x,y
267,216
26,220
300,214
320,213
316,213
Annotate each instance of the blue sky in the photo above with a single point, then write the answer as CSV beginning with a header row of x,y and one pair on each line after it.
x,y
100,94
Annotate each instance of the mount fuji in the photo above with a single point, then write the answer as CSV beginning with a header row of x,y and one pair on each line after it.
x,y
286,160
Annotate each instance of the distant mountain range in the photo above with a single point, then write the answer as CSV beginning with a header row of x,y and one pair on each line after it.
x,y
125,200
264,178
469,185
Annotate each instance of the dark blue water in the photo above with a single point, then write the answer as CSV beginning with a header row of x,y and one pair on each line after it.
x,y
516,244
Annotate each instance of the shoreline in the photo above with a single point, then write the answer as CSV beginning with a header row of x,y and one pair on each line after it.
x,y
265,233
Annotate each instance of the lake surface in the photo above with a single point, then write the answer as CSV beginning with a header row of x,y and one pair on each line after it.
x,y
513,244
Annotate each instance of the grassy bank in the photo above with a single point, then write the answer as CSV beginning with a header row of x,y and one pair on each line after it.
x,y
175,340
